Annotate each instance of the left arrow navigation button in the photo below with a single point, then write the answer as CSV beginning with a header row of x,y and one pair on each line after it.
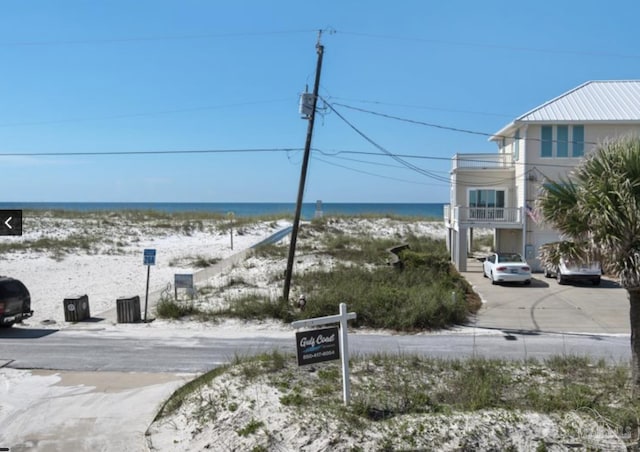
x,y
10,222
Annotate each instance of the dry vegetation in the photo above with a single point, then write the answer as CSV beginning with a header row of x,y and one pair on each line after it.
x,y
404,403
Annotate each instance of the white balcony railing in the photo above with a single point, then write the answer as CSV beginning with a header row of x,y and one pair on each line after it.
x,y
483,215
483,161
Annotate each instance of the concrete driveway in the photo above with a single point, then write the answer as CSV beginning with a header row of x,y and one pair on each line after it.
x,y
546,306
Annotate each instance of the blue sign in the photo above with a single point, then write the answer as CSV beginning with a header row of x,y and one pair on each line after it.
x,y
149,257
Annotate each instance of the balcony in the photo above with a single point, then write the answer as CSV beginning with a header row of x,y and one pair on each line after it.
x,y
483,161
489,217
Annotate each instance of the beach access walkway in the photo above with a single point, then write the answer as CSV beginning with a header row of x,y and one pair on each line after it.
x,y
199,276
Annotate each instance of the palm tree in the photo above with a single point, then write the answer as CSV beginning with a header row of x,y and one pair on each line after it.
x,y
598,209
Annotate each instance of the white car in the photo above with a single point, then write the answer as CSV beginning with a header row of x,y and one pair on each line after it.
x,y
569,270
506,267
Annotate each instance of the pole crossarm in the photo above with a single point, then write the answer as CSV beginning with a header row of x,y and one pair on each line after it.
x,y
308,323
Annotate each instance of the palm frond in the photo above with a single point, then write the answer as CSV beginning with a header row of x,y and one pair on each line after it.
x,y
597,207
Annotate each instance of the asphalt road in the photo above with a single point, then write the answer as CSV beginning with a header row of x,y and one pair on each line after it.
x,y
159,351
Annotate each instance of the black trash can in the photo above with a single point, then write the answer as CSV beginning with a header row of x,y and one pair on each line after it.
x,y
76,308
128,309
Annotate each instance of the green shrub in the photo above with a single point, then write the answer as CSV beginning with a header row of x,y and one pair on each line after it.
x,y
204,262
171,309
293,399
415,298
254,306
250,428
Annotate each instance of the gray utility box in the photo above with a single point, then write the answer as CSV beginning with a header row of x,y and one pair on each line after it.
x,y
76,308
128,309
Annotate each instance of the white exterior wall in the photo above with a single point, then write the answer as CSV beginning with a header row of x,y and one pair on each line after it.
x,y
593,133
537,234
509,240
522,183
481,180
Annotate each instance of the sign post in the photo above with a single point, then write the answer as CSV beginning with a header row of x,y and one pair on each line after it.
x,y
320,345
231,217
149,259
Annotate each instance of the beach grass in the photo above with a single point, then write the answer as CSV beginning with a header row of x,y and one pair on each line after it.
x,y
423,292
420,401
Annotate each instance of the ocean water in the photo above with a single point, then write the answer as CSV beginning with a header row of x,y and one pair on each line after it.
x,y
246,209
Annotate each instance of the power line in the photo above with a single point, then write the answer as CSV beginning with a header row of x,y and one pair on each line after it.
x,y
153,38
414,121
492,46
385,151
479,160
453,129
367,162
421,107
372,174
489,181
242,34
419,170
97,153
143,114
327,153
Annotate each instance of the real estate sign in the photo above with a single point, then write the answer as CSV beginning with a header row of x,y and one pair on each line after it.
x,y
316,346
326,344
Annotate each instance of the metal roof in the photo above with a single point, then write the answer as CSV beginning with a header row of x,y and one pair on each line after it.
x,y
612,100
601,100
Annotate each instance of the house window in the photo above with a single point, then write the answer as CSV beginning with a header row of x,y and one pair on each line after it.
x,y
546,142
562,141
562,146
578,141
516,146
487,204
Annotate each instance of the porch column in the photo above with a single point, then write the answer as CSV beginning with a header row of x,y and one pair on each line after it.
x,y
460,257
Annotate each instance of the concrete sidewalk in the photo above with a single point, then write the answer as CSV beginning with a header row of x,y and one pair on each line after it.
x,y
56,411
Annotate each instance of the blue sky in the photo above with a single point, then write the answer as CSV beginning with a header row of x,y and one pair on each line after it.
x,y
147,76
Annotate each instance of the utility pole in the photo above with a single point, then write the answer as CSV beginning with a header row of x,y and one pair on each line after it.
x,y
303,173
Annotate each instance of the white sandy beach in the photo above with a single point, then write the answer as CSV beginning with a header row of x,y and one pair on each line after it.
x,y
113,268
110,272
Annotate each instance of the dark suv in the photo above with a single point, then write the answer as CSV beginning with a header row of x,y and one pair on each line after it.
x,y
15,301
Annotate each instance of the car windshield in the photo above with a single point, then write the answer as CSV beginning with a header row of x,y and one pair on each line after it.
x,y
510,257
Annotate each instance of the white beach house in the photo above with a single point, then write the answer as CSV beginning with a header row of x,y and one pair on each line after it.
x,y
499,191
